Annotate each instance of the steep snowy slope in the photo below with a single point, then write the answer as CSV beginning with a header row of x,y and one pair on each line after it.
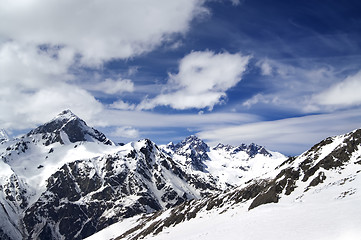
x,y
313,196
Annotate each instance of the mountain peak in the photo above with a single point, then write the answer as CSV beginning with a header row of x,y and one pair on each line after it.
x,y
193,141
67,127
66,114
192,138
195,149
254,149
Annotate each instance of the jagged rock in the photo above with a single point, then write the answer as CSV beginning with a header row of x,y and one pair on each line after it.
x,y
194,149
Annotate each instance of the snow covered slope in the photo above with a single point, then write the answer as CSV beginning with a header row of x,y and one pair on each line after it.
x,y
314,196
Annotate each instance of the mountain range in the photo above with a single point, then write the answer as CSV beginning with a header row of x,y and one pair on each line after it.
x,y
66,180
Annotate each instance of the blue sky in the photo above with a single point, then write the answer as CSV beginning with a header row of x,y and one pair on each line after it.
x,y
283,74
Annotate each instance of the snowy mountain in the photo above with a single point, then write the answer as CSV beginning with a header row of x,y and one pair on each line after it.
x,y
67,127
28,162
227,165
313,196
66,180
3,136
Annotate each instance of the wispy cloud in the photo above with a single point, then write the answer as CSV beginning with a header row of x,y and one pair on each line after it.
x,y
125,133
121,105
265,66
149,124
148,119
292,87
289,136
110,86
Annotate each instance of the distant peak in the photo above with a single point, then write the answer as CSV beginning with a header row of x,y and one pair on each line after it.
x,y
193,142
223,146
192,138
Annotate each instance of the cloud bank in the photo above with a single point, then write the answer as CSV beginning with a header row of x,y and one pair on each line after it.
x,y
98,30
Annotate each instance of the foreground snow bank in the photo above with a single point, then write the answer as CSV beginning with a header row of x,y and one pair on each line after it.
x,y
338,220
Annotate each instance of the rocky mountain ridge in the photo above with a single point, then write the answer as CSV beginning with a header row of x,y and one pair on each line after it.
x,y
66,180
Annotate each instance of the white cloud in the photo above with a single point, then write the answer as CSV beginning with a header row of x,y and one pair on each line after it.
x,y
98,30
126,133
289,136
133,70
111,86
341,94
36,85
265,66
255,99
121,105
202,81
26,66
26,109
